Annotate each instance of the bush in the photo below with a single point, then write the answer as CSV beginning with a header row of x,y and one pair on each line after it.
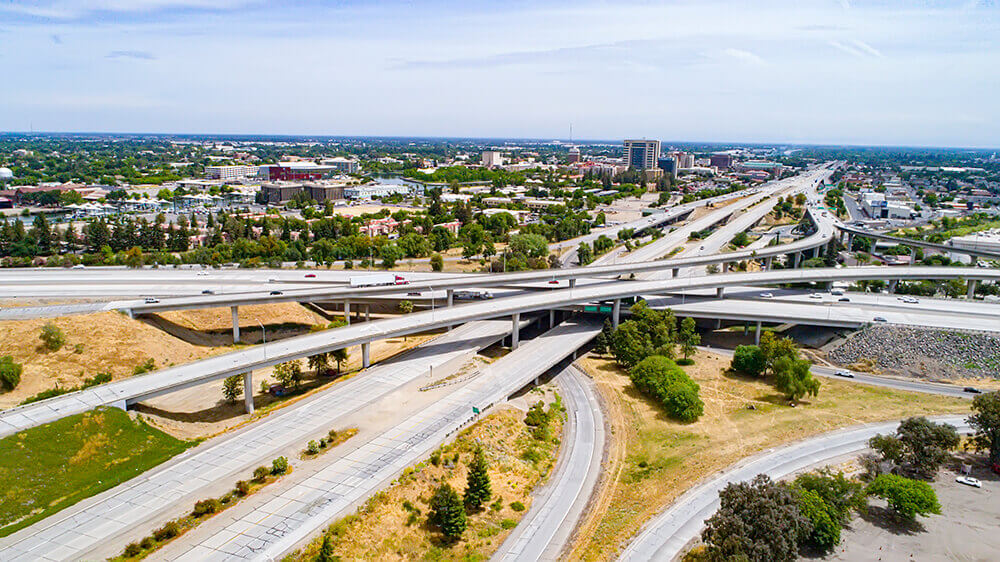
x,y
508,524
147,543
685,361
907,498
132,550
517,506
52,337
312,448
536,415
825,532
749,360
206,507
10,373
279,465
144,367
660,378
242,487
168,531
260,473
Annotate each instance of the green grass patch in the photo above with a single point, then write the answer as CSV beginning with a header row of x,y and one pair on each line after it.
x,y
50,467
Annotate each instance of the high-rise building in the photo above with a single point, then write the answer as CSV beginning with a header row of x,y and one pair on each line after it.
x,y
492,158
684,160
668,164
574,155
721,161
642,154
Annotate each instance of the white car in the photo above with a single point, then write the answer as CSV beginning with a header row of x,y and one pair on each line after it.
x,y
767,295
202,273
816,296
911,300
969,481
845,373
79,266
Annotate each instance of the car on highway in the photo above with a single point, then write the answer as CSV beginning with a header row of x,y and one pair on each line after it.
x,y
972,390
554,282
845,373
879,319
969,481
202,273
910,300
767,295
844,299
208,292
816,296
151,300
413,294
310,275
276,293
79,266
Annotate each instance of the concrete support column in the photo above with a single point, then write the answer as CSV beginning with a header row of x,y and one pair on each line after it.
x,y
756,334
675,271
974,260
718,323
816,252
767,263
616,311
720,292
893,283
236,323
972,289
746,328
368,313
347,312
913,254
798,260
451,297
248,391
515,333
552,318
572,283
725,267
366,359
850,241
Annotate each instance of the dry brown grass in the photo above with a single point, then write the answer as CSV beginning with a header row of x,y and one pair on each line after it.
x,y
384,530
102,342
653,459
212,319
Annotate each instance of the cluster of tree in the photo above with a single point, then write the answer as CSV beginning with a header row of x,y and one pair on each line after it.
x,y
779,358
766,521
449,511
662,380
788,206
917,449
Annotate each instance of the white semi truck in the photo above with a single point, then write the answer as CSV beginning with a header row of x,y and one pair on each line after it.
x,y
377,280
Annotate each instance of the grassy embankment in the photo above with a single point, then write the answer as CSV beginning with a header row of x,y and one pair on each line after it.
x,y
50,467
653,459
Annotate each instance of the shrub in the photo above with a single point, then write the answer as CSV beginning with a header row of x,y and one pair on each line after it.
x,y
206,507
907,498
99,378
508,524
436,458
144,367
749,360
260,473
312,448
497,505
242,487
685,361
279,465
517,506
52,337
825,532
536,415
660,378
146,543
132,550
10,373
170,530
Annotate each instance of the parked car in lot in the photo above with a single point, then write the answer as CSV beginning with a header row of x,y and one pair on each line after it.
x,y
969,481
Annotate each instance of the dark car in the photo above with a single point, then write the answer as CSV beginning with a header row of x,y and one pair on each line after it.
x,y
208,292
972,390
844,299
276,293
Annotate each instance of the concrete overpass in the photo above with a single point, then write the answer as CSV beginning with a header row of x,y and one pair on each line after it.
x,y
850,232
243,362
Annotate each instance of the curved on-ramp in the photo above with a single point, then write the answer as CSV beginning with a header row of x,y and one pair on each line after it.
x,y
665,537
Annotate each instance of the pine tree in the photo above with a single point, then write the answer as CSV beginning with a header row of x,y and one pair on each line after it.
x,y
447,512
477,489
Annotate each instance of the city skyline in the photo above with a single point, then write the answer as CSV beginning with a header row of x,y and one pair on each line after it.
x,y
840,73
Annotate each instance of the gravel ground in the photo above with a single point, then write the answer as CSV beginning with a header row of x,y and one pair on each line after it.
x,y
922,352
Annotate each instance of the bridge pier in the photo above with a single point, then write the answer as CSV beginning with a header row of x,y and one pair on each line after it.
x,y
767,263
515,333
347,311
572,283
248,391
913,254
366,349
971,292
451,301
974,260
675,272
746,328
893,283
368,313
236,323
756,334
552,318
719,292
725,267
797,256
616,313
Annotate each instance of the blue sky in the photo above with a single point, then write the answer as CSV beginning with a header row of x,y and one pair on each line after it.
x,y
837,71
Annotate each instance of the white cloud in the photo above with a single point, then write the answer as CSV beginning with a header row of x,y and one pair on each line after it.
x,y
743,56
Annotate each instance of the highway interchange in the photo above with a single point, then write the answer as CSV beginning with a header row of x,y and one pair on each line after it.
x,y
268,527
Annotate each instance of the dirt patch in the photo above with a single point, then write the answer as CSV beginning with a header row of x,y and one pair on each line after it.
x,y
216,319
653,459
103,342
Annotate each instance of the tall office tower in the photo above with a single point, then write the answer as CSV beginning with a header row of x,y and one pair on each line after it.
x,y
642,154
685,160
721,161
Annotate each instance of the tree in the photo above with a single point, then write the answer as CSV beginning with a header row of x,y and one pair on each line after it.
x,y
340,356
232,388
919,447
437,262
793,377
10,373
839,492
749,360
825,533
985,419
584,254
405,307
289,373
688,337
477,489
447,512
318,362
390,254
907,498
52,337
629,344
661,379
326,550
603,340
757,521
775,348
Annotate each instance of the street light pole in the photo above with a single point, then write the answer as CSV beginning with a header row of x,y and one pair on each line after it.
x,y
263,338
